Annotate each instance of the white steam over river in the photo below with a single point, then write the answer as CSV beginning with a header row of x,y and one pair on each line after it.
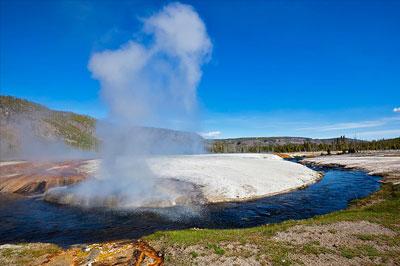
x,y
191,179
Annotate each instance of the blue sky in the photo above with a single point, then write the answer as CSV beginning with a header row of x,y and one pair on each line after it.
x,y
293,68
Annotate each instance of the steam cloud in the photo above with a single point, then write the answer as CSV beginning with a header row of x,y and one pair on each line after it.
x,y
156,84
150,84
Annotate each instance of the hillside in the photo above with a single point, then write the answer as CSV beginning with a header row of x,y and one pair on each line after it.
x,y
36,127
23,120
27,127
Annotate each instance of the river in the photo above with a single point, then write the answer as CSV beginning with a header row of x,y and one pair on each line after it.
x,y
25,219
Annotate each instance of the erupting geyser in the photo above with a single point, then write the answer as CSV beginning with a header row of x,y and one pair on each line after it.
x,y
149,84
154,85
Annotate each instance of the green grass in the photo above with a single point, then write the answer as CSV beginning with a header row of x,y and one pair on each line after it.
x,y
332,231
217,249
314,248
366,237
349,252
385,212
25,253
361,250
391,241
382,207
369,251
278,252
194,254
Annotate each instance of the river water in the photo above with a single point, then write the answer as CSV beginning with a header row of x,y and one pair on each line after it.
x,y
33,220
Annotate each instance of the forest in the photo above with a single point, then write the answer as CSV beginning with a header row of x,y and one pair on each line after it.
x,y
338,144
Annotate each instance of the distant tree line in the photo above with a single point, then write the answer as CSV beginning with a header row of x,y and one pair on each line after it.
x,y
339,144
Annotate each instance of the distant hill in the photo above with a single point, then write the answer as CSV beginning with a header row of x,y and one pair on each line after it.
x,y
38,128
24,119
293,144
31,126
268,144
278,141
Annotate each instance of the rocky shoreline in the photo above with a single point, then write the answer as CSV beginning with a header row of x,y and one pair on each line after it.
x,y
30,178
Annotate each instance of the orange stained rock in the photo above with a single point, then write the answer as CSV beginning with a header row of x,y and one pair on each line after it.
x,y
143,250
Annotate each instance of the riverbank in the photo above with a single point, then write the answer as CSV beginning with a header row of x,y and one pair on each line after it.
x,y
366,233
208,178
385,164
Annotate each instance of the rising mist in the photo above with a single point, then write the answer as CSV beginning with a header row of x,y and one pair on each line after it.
x,y
146,84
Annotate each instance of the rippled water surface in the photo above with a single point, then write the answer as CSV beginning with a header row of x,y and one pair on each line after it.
x,y
30,219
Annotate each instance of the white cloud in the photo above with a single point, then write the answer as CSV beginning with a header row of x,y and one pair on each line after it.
x,y
302,124
354,125
350,125
210,134
379,134
396,109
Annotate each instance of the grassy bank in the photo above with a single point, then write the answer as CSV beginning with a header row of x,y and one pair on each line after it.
x,y
367,233
276,243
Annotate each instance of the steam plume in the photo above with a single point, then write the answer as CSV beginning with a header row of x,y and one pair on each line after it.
x,y
150,84
155,84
